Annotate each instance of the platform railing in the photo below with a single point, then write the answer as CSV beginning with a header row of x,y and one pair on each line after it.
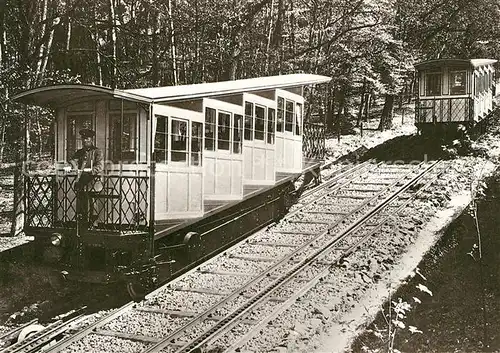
x,y
52,201
313,143
444,109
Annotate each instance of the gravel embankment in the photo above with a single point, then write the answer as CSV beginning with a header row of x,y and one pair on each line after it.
x,y
321,320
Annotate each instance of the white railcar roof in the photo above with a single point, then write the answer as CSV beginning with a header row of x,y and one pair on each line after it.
x,y
64,94
450,62
199,90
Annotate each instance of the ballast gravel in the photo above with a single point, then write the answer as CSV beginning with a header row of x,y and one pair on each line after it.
x,y
146,324
98,344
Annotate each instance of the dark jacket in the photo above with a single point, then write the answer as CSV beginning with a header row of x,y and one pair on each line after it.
x,y
88,158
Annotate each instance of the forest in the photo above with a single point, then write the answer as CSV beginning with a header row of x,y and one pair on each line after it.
x,y
368,47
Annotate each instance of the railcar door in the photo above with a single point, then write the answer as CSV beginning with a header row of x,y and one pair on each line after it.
x,y
289,131
259,140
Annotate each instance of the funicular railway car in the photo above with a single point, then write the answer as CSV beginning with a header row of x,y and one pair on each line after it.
x,y
453,92
188,170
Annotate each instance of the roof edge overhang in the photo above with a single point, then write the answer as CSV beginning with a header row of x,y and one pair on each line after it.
x,y
318,79
62,95
436,63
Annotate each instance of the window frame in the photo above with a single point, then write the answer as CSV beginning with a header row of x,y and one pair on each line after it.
x,y
452,74
248,132
292,113
280,111
111,137
428,76
230,133
76,136
264,122
165,139
187,142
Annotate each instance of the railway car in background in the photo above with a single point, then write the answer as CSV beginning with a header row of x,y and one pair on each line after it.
x,y
189,169
453,92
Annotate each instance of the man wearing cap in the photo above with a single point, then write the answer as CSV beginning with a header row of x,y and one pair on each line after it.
x,y
89,161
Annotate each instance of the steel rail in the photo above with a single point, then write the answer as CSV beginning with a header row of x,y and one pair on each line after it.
x,y
9,335
358,171
233,318
177,334
38,340
235,346
66,342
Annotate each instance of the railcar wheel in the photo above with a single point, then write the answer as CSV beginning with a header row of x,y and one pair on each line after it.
x,y
28,331
136,291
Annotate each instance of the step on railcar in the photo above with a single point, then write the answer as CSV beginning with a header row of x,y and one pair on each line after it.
x,y
188,170
453,92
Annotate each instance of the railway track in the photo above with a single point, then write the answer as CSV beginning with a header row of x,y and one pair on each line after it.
x,y
226,301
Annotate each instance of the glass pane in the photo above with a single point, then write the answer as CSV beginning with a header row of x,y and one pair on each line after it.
x,y
196,140
298,119
224,131
178,141
248,108
122,139
237,133
248,128
281,103
433,84
270,125
210,129
457,82
73,138
280,122
259,122
289,116
248,121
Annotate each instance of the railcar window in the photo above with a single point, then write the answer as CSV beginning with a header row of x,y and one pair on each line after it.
x,y
270,125
433,84
210,129
178,140
289,115
223,131
122,137
161,139
237,125
260,122
298,119
281,115
196,142
76,122
457,82
248,121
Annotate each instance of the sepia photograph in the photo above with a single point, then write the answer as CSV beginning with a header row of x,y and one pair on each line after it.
x,y
249,176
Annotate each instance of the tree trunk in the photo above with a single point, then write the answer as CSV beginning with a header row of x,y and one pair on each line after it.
x,y
368,106
269,37
387,113
278,35
95,38
361,104
340,112
112,23
42,46
47,51
330,109
172,44
155,64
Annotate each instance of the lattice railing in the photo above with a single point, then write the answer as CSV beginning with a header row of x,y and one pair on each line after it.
x,y
122,205
439,110
313,143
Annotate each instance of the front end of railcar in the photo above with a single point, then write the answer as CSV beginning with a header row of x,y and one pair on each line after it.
x,y
104,244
